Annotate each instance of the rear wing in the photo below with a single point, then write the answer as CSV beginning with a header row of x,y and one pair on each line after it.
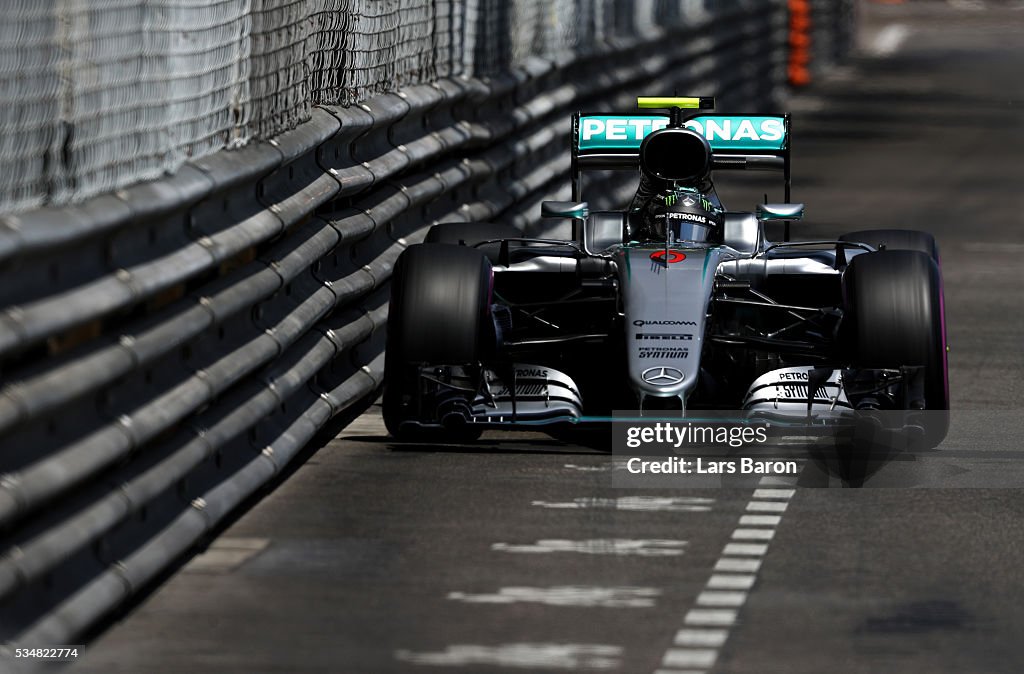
x,y
612,141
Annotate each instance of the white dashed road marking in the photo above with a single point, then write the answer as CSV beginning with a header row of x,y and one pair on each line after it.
x,y
731,581
756,549
774,493
740,565
696,647
713,638
718,598
690,657
767,506
760,520
753,534
702,616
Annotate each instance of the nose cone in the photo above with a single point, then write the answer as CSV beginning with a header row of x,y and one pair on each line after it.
x,y
665,298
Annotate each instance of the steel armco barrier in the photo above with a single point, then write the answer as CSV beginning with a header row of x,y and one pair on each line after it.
x,y
168,349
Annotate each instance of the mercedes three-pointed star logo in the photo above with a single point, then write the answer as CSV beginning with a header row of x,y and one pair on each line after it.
x,y
662,376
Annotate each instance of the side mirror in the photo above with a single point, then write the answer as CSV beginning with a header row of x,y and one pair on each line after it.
x,y
780,211
564,209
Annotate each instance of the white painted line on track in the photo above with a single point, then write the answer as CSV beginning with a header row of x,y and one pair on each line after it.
x,y
727,589
566,595
722,599
754,549
777,481
690,657
774,493
753,534
528,656
711,617
780,480
706,638
767,506
693,504
760,520
889,40
730,581
739,565
601,468
598,546
680,671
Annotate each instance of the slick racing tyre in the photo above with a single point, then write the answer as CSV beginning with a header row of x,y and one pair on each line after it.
x,y
896,239
439,314
894,317
472,233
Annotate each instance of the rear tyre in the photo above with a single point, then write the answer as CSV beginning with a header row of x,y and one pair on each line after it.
x,y
894,317
439,314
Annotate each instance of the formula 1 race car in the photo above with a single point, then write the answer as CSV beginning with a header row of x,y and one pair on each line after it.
x,y
672,304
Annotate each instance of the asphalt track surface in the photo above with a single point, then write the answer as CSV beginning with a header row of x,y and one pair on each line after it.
x,y
516,554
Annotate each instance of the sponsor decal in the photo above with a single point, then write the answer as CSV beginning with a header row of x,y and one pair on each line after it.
x,y
641,323
793,376
673,336
747,132
531,372
799,392
663,352
662,376
689,200
689,217
521,391
672,257
598,132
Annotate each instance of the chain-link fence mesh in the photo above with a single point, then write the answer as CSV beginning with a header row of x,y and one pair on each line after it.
x,y
99,94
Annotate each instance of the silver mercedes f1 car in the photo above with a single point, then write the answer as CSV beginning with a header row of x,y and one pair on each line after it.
x,y
672,304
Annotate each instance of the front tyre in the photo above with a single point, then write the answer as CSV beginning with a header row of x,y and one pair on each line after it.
x,y
894,317
439,315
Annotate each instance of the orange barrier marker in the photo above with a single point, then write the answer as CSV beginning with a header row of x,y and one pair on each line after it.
x,y
798,70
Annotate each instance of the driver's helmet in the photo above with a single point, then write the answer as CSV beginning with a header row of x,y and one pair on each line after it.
x,y
686,213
